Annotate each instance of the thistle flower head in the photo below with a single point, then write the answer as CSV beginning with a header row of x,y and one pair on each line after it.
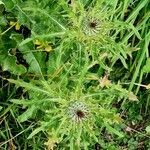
x,y
91,26
78,111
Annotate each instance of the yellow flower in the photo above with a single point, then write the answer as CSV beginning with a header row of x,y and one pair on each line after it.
x,y
16,24
41,44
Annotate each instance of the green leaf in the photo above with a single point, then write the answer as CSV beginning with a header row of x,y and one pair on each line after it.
x,y
32,57
27,114
135,31
135,11
35,101
146,68
9,4
3,21
112,130
21,102
37,130
28,86
148,129
8,63
1,6
1,108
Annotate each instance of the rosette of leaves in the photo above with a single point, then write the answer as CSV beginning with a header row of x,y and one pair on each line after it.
x,y
70,117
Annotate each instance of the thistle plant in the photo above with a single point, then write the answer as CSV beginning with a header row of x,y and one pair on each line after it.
x,y
72,119
97,29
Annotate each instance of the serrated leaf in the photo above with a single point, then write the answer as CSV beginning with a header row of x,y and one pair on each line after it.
x,y
37,130
21,102
35,101
28,86
27,114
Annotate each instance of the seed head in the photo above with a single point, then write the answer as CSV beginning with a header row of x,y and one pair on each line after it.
x,y
91,26
78,111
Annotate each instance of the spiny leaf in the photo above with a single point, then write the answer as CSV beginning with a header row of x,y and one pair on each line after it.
x,y
27,114
37,130
35,101
28,86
